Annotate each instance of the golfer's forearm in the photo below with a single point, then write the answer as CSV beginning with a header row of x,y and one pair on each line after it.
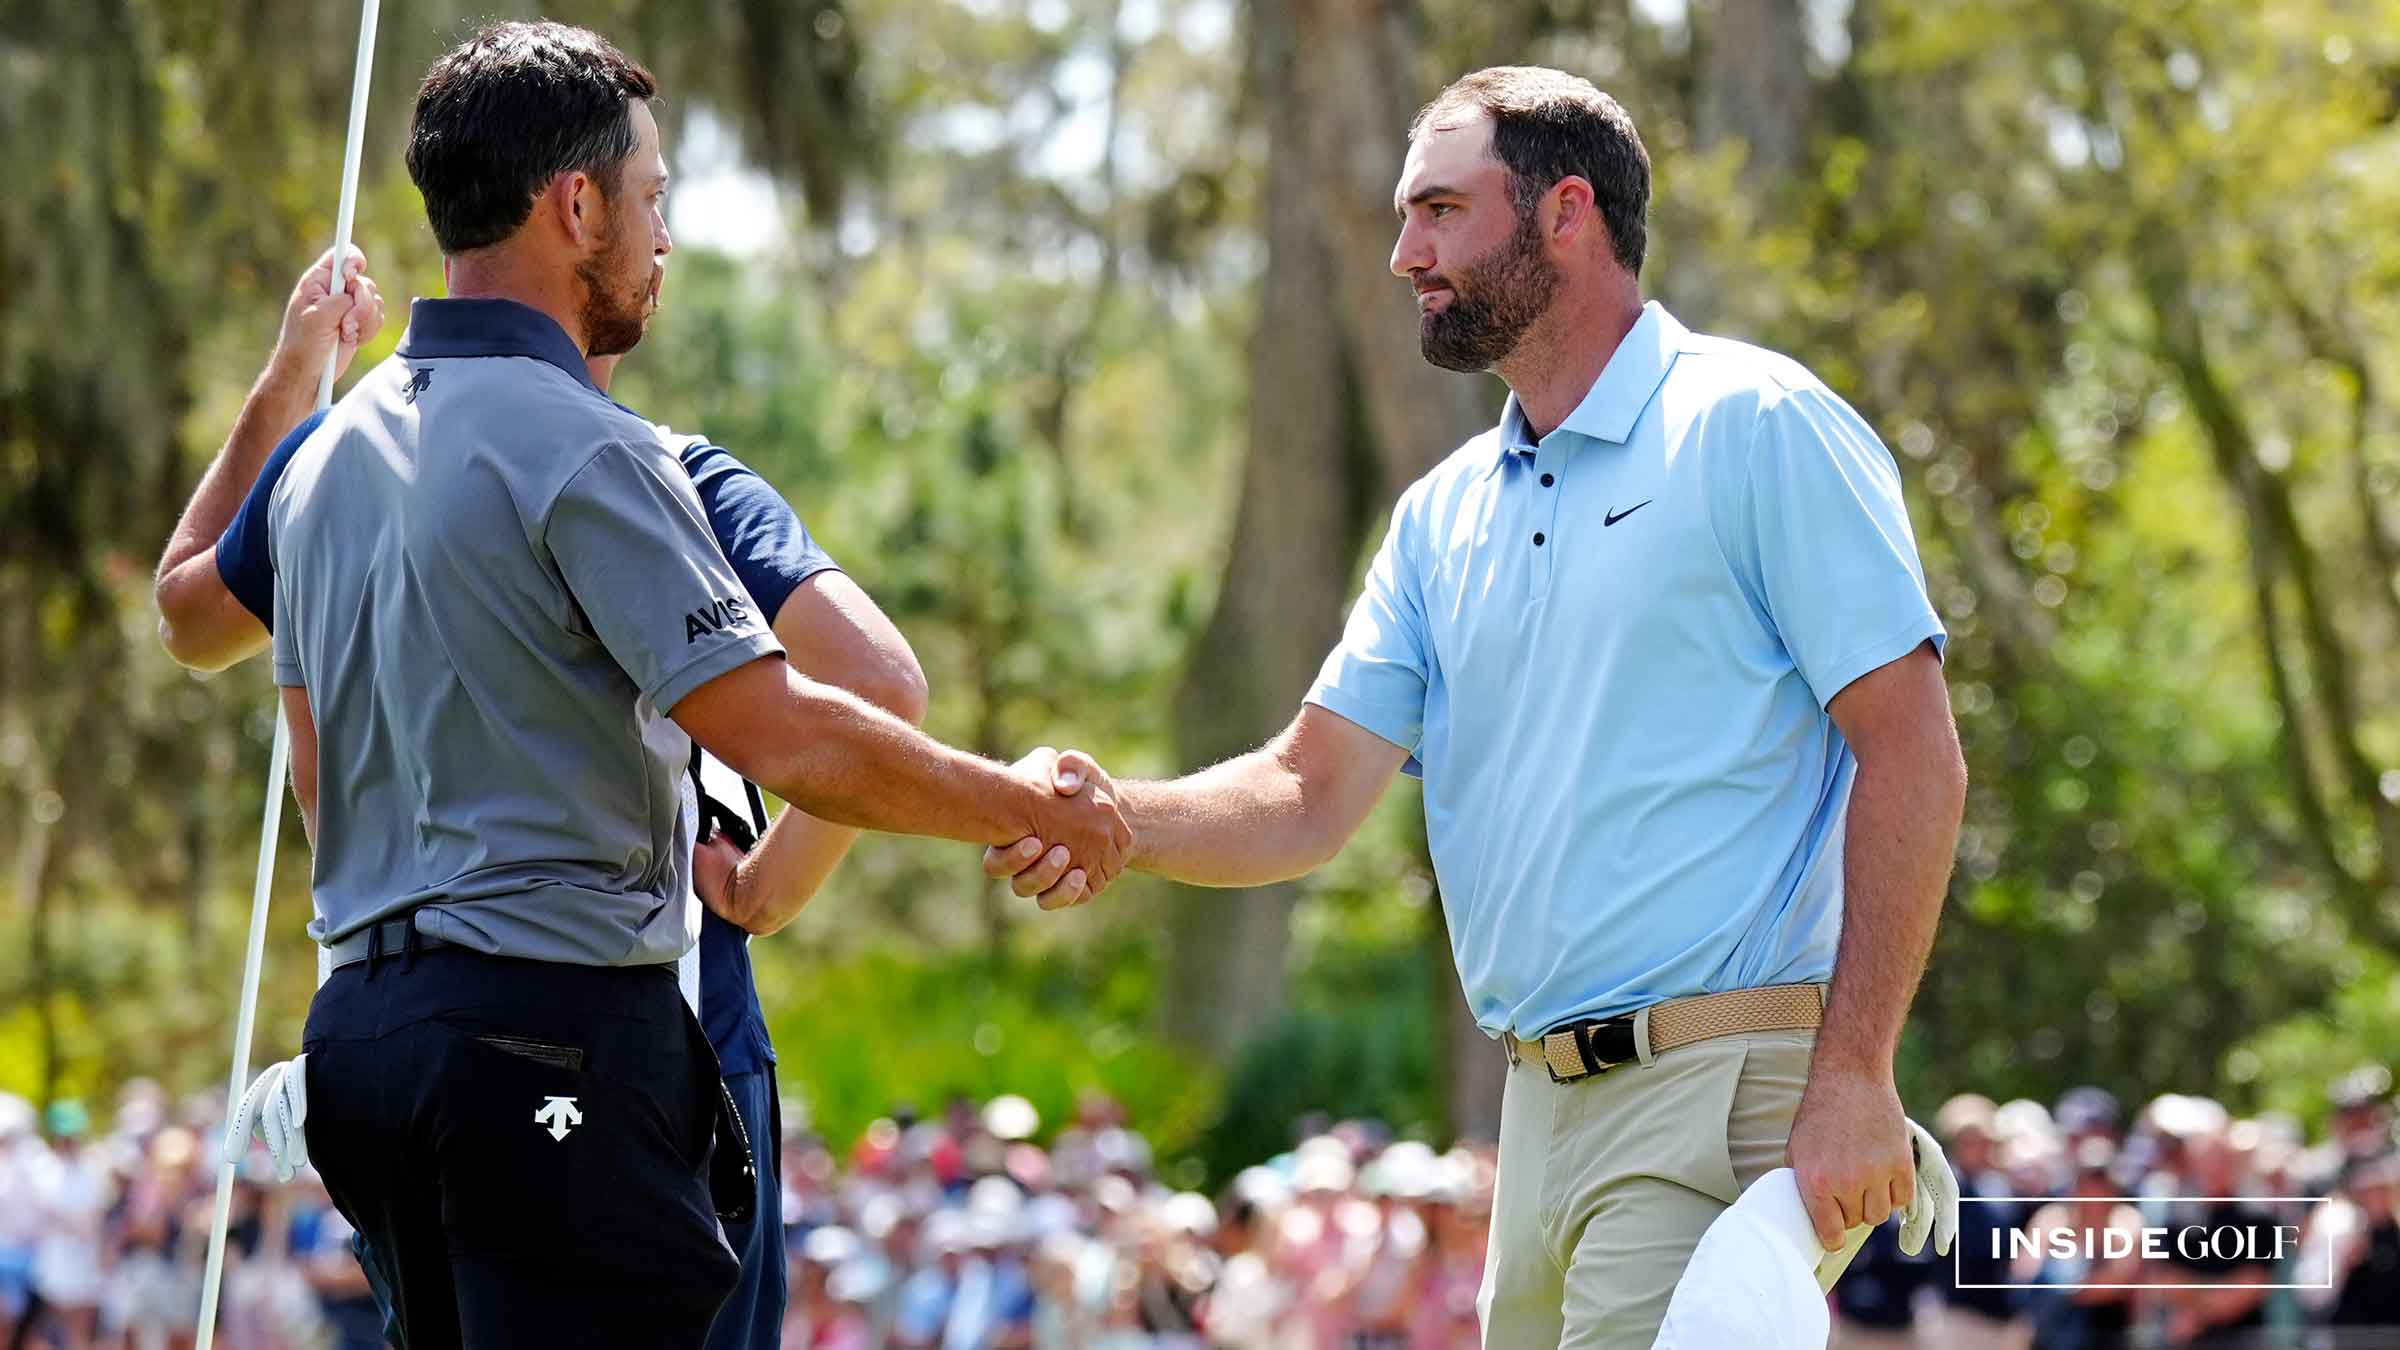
x,y
282,396
846,762
777,879
863,767
1903,833
1249,821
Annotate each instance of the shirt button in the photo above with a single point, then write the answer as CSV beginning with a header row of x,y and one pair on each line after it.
x,y
1547,480
1537,538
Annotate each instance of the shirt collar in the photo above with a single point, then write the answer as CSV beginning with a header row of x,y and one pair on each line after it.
x,y
1615,402
443,328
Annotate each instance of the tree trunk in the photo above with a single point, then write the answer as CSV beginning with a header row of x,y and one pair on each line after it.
x,y
1295,542
1344,413
1475,1068
1754,85
1357,101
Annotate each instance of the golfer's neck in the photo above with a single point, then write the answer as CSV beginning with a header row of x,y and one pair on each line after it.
x,y
1561,356
500,274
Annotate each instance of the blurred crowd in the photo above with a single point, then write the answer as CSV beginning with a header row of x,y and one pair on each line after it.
x,y
959,1231
2084,1169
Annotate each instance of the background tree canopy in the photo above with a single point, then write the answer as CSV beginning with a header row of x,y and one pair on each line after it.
x,y
1065,324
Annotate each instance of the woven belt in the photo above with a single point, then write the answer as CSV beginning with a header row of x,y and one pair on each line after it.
x,y
1581,1049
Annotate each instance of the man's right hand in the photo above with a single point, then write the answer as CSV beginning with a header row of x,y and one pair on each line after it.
x,y
319,321
1079,840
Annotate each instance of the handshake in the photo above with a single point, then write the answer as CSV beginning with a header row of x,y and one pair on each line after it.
x,y
1077,839
1063,820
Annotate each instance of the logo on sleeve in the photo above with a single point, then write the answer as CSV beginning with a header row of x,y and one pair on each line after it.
x,y
717,617
417,384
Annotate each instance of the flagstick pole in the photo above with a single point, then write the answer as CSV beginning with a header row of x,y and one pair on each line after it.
x,y
279,757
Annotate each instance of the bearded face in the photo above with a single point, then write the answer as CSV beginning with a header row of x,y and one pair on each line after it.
x,y
620,285
1493,300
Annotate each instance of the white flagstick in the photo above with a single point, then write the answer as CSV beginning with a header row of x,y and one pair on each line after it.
x,y
278,758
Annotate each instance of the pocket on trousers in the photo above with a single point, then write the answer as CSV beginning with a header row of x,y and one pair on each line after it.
x,y
1766,1098
552,1053
572,1172
1664,1120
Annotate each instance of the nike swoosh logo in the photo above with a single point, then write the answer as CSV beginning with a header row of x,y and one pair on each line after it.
x,y
1614,516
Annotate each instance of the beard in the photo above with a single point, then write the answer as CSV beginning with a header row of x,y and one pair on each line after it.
x,y
617,295
1493,300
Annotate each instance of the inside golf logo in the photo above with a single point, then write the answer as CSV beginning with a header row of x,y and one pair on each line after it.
x,y
2090,1249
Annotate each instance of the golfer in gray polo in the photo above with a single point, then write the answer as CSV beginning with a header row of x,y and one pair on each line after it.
x,y
501,622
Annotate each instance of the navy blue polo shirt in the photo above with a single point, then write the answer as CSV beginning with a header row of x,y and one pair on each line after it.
x,y
770,550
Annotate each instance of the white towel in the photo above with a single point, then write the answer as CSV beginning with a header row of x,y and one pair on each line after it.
x,y
1752,1281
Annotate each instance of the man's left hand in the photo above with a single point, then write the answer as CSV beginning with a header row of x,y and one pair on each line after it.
x,y
714,862
1850,1152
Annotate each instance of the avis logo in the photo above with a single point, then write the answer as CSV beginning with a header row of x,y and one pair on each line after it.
x,y
720,615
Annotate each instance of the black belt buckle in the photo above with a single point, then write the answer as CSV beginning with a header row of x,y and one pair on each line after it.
x,y
1601,1045
401,932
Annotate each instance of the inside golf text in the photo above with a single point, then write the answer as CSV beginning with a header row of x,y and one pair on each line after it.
x,y
2190,1242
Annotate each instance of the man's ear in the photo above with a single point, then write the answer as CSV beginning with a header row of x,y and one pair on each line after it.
x,y
573,201
1574,214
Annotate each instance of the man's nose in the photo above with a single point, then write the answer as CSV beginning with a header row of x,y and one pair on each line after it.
x,y
1409,251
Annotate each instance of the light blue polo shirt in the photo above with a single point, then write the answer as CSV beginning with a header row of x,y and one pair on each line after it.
x,y
1610,654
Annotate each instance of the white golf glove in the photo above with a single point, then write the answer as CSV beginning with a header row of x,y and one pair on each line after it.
x,y
278,1101
1935,1209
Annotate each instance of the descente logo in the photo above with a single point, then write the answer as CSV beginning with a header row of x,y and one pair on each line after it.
x,y
2068,1248
715,617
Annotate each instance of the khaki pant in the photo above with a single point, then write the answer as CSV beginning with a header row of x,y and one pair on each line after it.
x,y
1606,1184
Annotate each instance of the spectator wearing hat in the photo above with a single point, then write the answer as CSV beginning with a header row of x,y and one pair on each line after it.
x,y
2224,1299
2366,1263
1382,1292
20,1145
1876,1299
1246,1310
2362,1112
71,1193
2082,1318
1973,1315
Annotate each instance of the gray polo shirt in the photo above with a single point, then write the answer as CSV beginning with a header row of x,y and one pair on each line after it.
x,y
495,584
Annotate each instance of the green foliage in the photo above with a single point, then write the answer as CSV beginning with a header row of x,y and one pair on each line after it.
x,y
2114,278
2288,1066
859,1037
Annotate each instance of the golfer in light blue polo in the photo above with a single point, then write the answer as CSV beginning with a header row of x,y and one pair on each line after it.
x,y
1660,648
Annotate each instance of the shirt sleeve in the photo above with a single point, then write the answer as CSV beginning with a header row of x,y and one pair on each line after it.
x,y
244,561
756,529
629,537
1377,675
1832,554
283,644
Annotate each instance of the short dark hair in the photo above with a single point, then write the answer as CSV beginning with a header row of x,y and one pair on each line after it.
x,y
506,111
1548,125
